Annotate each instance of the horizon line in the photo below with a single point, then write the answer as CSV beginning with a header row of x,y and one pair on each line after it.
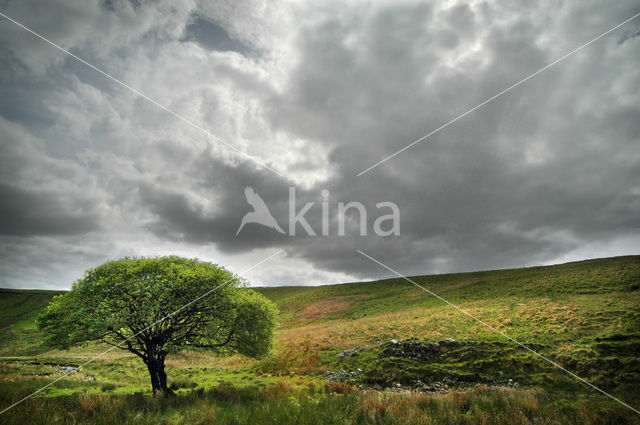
x,y
378,280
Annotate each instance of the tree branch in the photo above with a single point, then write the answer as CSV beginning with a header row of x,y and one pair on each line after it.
x,y
222,344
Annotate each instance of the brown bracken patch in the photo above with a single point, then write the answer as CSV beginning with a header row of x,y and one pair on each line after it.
x,y
445,287
330,306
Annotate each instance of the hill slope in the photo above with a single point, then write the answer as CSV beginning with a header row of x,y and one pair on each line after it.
x,y
585,315
302,304
589,298
18,312
384,334
20,306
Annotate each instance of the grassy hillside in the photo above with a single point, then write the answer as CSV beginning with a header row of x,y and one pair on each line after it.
x,y
387,336
18,312
18,308
585,315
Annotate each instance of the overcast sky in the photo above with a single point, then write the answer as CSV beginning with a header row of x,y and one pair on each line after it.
x,y
317,91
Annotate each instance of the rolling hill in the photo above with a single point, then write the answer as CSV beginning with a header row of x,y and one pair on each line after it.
x,y
390,334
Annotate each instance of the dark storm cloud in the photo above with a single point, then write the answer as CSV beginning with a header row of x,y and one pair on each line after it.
x,y
532,175
28,213
175,217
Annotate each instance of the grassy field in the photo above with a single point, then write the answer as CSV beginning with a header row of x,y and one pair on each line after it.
x,y
378,352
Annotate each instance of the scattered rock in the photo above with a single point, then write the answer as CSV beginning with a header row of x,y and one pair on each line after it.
x,y
341,375
350,353
412,349
398,352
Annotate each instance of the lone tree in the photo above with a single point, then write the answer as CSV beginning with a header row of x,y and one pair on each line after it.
x,y
149,304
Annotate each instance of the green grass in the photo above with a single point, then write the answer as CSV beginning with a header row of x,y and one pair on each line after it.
x,y
582,315
19,308
600,276
318,405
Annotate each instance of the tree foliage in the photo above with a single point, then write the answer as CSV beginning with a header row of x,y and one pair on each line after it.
x,y
149,304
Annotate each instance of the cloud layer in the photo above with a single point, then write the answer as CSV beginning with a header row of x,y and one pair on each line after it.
x,y
91,171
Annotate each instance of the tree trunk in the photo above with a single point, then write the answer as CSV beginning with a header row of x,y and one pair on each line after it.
x,y
158,375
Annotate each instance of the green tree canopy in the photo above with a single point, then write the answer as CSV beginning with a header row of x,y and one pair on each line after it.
x,y
149,304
